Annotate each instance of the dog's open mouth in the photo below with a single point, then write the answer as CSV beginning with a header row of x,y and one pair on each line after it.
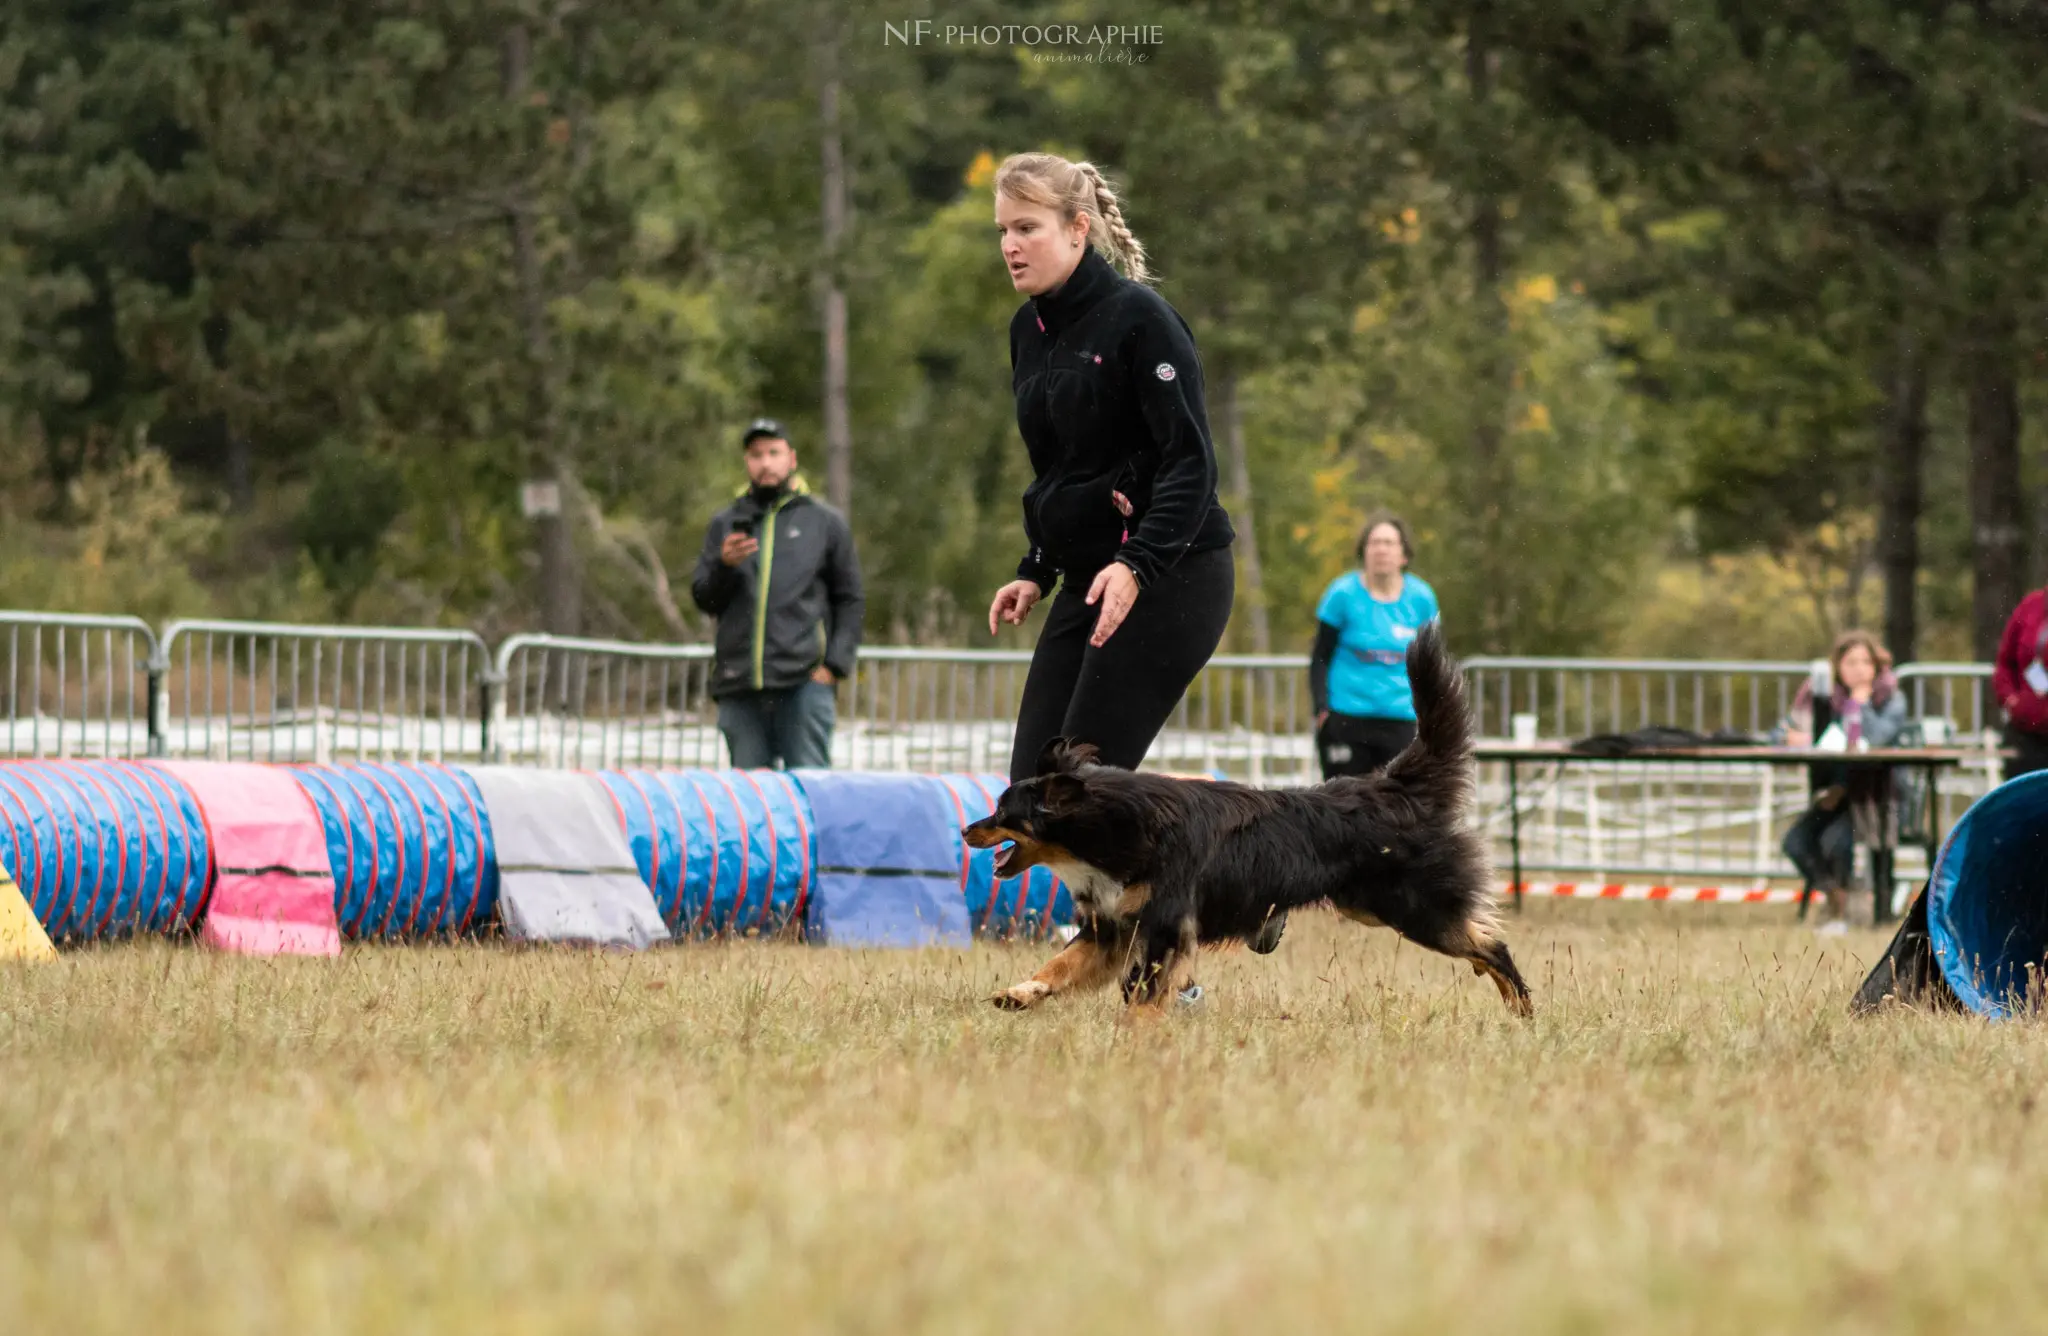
x,y
1003,857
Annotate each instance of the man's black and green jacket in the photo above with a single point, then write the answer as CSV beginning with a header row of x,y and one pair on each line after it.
x,y
793,605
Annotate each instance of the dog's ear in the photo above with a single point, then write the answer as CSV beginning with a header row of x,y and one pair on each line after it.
x,y
1063,756
1061,793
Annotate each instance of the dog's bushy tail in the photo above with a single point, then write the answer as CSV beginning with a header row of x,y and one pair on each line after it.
x,y
1437,766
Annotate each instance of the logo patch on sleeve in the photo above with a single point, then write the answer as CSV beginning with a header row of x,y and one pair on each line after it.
x,y
1164,371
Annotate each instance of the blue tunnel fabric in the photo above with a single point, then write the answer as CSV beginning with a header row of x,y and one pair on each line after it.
x,y
724,851
410,846
183,858
1987,901
103,848
1031,905
889,861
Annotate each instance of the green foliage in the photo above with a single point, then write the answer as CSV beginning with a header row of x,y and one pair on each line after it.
x,y
1595,294
351,503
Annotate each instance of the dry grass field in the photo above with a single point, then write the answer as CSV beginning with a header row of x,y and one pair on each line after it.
x,y
1348,1136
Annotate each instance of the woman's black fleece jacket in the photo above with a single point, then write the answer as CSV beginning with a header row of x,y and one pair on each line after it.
x,y
1109,399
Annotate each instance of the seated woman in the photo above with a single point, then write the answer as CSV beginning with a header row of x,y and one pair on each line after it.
x,y
1848,804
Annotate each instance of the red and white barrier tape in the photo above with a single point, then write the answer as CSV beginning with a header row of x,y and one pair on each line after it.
x,y
1726,895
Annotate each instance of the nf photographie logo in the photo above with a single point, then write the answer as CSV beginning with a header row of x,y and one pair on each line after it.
x,y
1115,42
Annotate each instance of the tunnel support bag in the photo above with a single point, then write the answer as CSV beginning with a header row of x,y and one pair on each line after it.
x,y
889,861
273,890
565,873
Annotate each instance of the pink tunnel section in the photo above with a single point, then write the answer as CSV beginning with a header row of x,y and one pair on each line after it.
x,y
273,892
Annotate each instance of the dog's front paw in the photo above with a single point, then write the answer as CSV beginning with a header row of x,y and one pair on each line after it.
x,y
1022,997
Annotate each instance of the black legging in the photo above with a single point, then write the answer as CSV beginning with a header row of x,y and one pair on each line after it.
x,y
1119,696
1351,744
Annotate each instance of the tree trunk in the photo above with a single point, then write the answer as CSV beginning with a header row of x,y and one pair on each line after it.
x,y
1493,367
241,471
1253,575
838,420
560,588
1995,519
1902,433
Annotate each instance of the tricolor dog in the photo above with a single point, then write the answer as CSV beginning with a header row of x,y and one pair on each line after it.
x,y
1159,866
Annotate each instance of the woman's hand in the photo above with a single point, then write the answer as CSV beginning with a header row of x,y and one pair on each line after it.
x,y
1013,603
1797,737
1116,589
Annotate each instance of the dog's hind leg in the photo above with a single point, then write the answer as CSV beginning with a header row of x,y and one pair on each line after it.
x,y
1089,961
1495,962
1476,942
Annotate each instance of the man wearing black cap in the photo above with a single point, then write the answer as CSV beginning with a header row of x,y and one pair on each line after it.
x,y
779,573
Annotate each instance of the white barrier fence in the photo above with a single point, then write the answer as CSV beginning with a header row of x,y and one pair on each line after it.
x,y
108,686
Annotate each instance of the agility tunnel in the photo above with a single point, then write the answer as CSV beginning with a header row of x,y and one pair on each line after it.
x,y
409,845
296,859
855,859
1976,937
725,852
104,849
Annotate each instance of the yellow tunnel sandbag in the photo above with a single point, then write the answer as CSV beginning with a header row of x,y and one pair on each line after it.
x,y
21,936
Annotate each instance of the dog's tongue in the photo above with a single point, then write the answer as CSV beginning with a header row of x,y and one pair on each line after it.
x,y
1003,856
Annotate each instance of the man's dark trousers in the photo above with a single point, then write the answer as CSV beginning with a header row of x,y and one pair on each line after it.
x,y
792,725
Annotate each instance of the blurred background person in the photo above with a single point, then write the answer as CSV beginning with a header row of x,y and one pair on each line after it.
x,y
1358,671
779,573
2019,675
1848,804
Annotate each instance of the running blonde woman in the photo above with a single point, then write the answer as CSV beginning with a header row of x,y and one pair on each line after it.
x,y
1121,515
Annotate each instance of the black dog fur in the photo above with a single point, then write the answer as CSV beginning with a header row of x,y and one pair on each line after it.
x,y
1159,866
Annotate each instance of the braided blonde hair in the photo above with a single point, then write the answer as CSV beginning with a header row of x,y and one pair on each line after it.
x,y
1074,190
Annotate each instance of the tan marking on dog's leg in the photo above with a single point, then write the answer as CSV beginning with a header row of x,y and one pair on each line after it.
x,y
1517,1000
1485,947
1481,945
1082,964
1132,900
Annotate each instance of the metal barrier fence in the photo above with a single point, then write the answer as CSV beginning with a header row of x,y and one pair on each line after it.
x,y
915,709
602,704
105,686
1671,823
590,703
75,685
596,703
1716,824
1576,697
1958,692
1572,698
261,691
